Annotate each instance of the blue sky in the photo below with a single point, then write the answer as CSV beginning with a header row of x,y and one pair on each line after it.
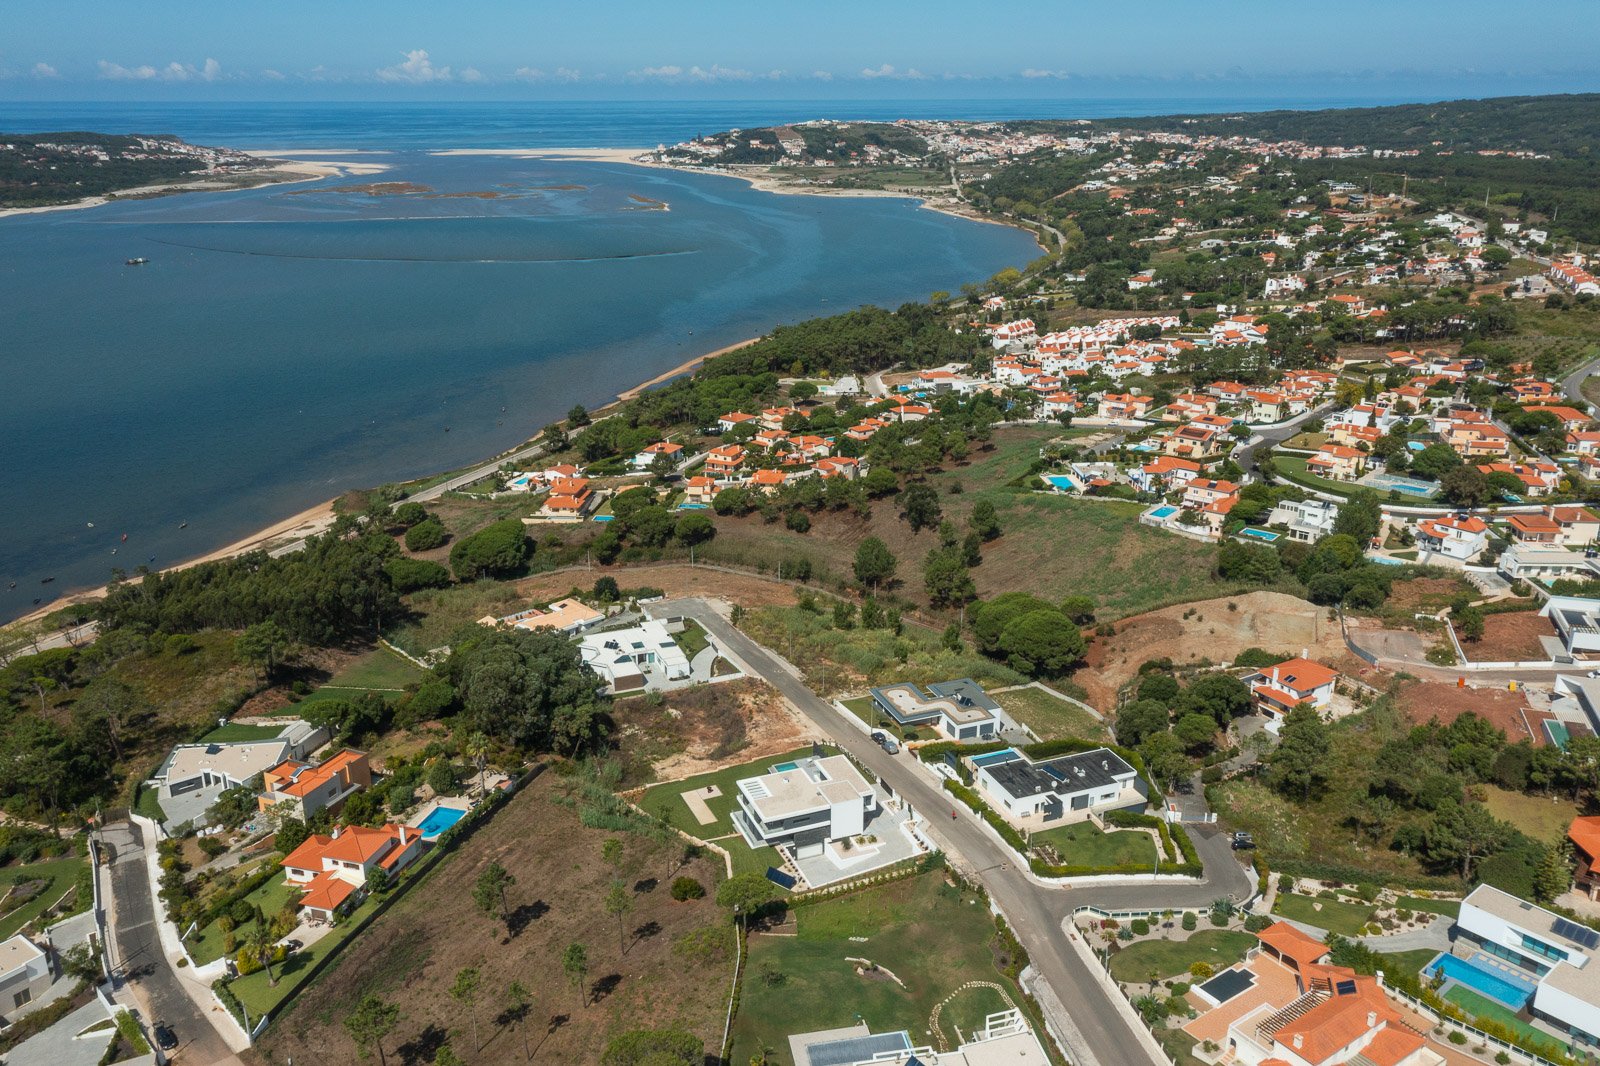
x,y
686,49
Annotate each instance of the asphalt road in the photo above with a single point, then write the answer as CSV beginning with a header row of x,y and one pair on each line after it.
x,y
1036,912
1572,384
1271,438
143,964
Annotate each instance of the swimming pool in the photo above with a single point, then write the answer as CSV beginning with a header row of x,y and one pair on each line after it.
x,y
1062,482
603,517
1385,560
1499,988
691,506
438,820
994,756
1403,485
783,766
1259,534
1227,984
1558,733
1144,446
1164,512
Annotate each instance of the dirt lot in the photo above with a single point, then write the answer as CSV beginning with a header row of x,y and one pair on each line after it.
x,y
1425,700
705,728
1510,638
675,580
411,954
1272,621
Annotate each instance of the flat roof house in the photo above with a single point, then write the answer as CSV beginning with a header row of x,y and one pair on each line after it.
x,y
1546,964
1063,788
1577,622
193,775
805,805
1004,1040
625,657
959,709
25,974
1279,689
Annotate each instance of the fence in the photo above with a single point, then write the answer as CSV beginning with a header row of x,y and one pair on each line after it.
x,y
1355,649
1471,1031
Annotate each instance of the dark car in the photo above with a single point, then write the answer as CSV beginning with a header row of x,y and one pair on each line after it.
x,y
877,736
166,1039
1243,842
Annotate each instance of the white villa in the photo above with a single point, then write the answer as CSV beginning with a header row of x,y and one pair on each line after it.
x,y
804,805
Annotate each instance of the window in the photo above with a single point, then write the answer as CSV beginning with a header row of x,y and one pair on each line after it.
x,y
21,998
1540,948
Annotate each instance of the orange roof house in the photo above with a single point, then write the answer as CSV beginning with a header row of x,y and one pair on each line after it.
x,y
309,789
1291,947
1281,688
333,870
1585,836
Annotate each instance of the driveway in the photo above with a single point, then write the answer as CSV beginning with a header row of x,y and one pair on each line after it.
x,y
140,961
1097,1033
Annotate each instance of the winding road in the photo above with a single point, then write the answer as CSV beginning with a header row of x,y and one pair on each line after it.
x,y
1098,1031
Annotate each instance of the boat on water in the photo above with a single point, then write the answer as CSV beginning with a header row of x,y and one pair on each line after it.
x,y
138,261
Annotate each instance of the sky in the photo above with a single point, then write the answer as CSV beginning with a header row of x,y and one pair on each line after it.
x,y
403,50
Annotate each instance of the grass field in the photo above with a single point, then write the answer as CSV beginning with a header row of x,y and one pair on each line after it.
x,y
1051,718
1544,818
1219,948
1409,962
930,935
692,640
1081,844
1293,468
379,670
271,897
61,875
1479,1006
1346,919
1447,907
438,613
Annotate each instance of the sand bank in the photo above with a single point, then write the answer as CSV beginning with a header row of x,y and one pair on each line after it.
x,y
593,155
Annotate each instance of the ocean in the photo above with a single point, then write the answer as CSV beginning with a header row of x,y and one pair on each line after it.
x,y
288,343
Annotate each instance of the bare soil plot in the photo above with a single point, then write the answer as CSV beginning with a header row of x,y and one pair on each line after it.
x,y
676,581
695,730
1422,701
1273,621
411,954
1510,637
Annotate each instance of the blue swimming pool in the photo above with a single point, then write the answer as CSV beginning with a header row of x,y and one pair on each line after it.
x,y
603,517
783,766
438,820
1405,486
994,756
1164,512
692,506
1490,982
1385,560
1259,534
1061,481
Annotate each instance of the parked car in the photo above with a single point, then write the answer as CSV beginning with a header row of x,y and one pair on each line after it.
x,y
890,745
1243,842
166,1039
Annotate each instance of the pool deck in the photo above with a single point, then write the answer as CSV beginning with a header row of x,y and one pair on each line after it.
x,y
451,803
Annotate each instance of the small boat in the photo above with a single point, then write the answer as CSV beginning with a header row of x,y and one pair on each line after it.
x,y
124,536
137,261
46,580
183,525
91,525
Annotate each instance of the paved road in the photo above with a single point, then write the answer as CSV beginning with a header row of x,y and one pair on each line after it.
x,y
1572,385
1271,438
139,957
1036,911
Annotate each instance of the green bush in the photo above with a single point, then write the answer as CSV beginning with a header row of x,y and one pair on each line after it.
x,y
1190,921
497,549
426,535
687,888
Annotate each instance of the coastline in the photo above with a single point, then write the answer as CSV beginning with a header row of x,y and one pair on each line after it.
x,y
286,172
317,519
762,182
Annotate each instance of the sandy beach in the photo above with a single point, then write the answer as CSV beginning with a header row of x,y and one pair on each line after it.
x,y
286,172
593,155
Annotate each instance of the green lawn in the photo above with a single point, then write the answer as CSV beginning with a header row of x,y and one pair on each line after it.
x,y
1409,962
61,874
260,996
664,800
379,670
1447,907
1220,948
931,936
1346,919
234,734
1544,818
1082,844
866,709
271,897
692,640
1478,1006
1051,718
1293,468
148,805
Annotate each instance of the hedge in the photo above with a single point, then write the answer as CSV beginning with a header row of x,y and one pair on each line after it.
x,y
225,902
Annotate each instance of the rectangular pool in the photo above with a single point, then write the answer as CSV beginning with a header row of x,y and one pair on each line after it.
x,y
784,767
1008,755
1164,512
1227,984
1259,534
1502,989
438,820
1062,482
1557,732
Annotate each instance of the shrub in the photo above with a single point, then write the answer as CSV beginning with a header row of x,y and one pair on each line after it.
x,y
1200,970
1140,927
1190,921
409,575
687,888
497,549
1457,1037
426,535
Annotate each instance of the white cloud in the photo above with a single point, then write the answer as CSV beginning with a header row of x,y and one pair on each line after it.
x,y
417,69
715,72
888,70
272,75
211,70
560,74
822,75
719,73
472,74
44,70
657,72
1033,72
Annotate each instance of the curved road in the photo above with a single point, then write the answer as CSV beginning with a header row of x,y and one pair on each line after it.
x,y
1103,1035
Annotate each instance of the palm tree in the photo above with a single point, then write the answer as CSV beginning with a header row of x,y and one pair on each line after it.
x,y
476,748
260,944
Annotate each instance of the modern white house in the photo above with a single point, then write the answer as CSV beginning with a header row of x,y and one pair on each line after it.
x,y
25,974
1004,1040
1577,622
1530,959
1067,788
194,775
1307,520
960,709
804,805
626,659
1532,562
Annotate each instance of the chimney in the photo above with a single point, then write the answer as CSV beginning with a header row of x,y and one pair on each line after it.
x,y
1299,1041
1372,1019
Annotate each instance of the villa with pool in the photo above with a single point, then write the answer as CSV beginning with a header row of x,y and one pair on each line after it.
x,y
1538,964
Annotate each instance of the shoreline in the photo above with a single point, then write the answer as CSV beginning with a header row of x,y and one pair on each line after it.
x,y
293,171
318,518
